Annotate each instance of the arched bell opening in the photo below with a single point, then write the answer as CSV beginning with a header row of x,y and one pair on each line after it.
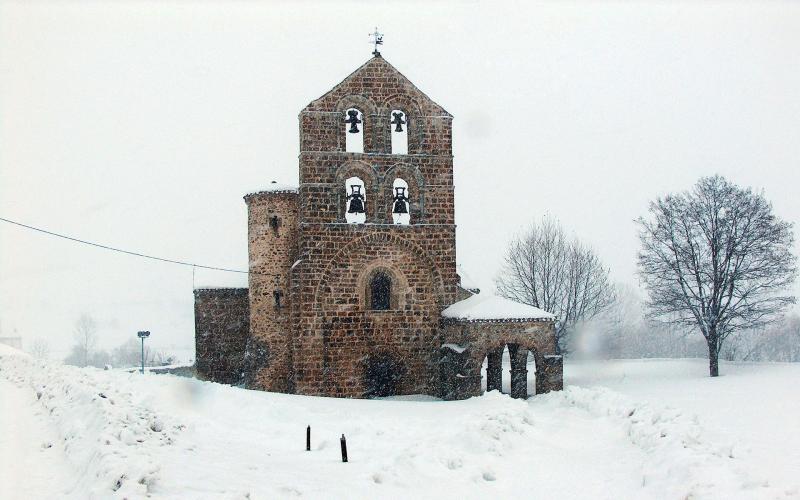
x,y
399,131
401,202
383,375
354,131
356,201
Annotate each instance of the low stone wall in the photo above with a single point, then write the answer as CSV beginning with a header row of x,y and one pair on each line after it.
x,y
222,327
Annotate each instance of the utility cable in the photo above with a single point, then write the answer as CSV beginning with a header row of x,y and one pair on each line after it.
x,y
113,249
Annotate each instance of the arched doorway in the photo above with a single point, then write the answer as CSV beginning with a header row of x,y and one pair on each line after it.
x,y
383,375
531,363
509,369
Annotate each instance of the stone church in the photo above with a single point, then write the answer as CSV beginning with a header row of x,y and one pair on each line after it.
x,y
353,288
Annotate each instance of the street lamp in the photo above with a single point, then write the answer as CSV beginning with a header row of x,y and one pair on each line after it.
x,y
143,335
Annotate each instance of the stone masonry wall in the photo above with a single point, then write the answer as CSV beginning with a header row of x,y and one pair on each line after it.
x,y
336,334
222,326
272,244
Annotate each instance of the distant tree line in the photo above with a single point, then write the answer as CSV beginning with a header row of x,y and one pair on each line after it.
x,y
84,351
715,262
625,332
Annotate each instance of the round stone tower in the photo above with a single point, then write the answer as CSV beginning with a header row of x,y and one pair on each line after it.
x,y
272,246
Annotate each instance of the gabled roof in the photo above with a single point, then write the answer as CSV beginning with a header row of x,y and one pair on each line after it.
x,y
378,81
486,307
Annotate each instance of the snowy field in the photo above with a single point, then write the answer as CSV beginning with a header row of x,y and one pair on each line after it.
x,y
629,429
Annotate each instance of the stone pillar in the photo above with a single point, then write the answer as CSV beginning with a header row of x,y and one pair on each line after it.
x,y
459,377
494,370
519,371
549,374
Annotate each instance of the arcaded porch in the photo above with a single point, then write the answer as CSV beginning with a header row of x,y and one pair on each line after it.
x,y
479,329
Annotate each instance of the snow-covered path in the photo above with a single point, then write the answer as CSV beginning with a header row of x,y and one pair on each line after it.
x,y
32,464
753,406
159,436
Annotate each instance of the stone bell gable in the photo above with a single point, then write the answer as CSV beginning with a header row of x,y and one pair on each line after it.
x,y
376,89
340,335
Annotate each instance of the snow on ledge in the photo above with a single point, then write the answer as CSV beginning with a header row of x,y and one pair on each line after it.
x,y
467,283
276,187
455,347
485,307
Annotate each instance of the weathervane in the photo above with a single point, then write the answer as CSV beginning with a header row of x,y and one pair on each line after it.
x,y
377,39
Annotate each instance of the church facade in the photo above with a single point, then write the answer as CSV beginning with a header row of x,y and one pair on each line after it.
x,y
353,288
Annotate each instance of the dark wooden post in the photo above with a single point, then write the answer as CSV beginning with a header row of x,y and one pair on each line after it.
x,y
344,449
308,438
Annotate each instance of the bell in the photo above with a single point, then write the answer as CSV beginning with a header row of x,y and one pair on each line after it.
x,y
356,200
398,121
400,201
353,121
356,206
399,207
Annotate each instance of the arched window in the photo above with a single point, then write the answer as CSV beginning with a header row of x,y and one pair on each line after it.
x,y
380,287
399,127
354,131
401,206
355,208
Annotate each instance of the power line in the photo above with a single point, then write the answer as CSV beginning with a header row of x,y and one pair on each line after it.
x,y
113,249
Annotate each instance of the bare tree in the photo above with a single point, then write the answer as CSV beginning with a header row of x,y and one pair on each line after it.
x,y
129,354
717,258
40,348
85,335
561,275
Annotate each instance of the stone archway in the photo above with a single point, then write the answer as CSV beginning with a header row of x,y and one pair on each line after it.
x,y
518,361
376,240
382,375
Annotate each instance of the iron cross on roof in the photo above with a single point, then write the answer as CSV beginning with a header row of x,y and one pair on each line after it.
x,y
377,39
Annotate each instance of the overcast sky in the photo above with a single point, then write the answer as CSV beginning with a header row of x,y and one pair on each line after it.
x,y
142,124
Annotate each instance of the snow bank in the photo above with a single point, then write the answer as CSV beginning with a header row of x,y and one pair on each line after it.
x,y
105,434
160,436
7,350
484,306
680,460
754,406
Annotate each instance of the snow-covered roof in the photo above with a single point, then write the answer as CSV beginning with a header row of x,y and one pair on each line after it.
x,y
467,282
276,187
486,307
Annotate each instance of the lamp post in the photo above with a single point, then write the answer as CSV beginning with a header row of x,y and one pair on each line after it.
x,y
143,335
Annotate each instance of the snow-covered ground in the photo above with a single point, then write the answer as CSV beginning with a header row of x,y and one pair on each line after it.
x,y
127,435
753,406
